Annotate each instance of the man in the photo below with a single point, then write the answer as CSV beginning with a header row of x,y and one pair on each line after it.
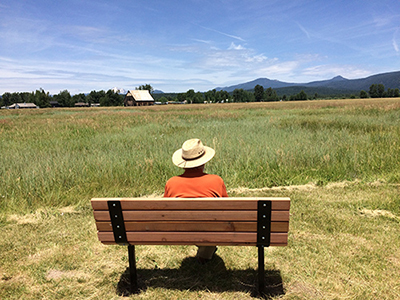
x,y
194,183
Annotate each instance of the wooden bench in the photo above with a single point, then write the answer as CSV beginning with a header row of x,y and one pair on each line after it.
x,y
234,221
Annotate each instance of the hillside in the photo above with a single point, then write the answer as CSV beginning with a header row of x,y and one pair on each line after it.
x,y
336,85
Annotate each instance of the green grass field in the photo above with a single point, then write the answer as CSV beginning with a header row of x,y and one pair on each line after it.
x,y
339,161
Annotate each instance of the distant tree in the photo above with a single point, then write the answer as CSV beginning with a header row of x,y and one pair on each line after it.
x,y
111,99
181,97
363,94
94,97
392,93
189,96
373,91
377,91
79,98
26,97
6,99
42,98
300,96
198,98
239,95
64,99
223,95
258,93
146,87
249,96
218,96
163,99
209,96
270,94
215,96
381,90
15,98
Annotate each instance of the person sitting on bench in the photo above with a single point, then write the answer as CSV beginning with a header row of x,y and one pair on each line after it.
x,y
194,183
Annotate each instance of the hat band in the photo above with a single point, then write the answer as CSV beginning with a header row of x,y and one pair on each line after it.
x,y
194,158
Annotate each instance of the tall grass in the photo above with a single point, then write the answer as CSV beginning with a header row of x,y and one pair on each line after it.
x,y
343,237
58,157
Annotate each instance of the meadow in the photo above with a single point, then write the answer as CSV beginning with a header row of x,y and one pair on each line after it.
x,y
338,160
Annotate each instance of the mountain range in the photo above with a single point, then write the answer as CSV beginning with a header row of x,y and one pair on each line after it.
x,y
335,85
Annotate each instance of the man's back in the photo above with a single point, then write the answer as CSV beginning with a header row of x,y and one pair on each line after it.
x,y
194,183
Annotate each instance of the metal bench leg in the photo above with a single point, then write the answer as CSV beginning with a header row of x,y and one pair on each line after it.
x,y
132,269
261,271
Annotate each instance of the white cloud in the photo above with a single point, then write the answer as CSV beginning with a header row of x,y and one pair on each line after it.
x,y
233,46
278,69
223,33
304,30
236,57
328,71
394,40
395,46
202,41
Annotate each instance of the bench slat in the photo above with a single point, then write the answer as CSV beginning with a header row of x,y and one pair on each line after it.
x,y
191,215
194,238
193,226
193,221
191,203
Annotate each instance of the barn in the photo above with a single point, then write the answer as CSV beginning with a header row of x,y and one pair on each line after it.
x,y
22,106
138,98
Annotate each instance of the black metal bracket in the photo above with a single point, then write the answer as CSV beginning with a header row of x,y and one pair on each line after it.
x,y
264,223
117,222
263,238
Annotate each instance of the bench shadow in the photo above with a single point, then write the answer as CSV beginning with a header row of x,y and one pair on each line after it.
x,y
212,276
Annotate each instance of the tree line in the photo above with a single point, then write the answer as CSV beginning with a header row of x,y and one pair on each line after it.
x,y
110,98
238,95
259,94
378,91
64,99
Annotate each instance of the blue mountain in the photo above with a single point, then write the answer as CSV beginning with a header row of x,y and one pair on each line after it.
x,y
389,80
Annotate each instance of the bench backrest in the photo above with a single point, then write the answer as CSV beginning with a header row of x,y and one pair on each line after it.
x,y
192,221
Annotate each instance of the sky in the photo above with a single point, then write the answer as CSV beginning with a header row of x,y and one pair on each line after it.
x,y
174,46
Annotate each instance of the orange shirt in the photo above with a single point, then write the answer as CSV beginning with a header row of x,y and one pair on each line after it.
x,y
194,183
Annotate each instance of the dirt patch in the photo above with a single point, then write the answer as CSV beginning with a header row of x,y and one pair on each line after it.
x,y
304,289
341,184
44,254
57,274
40,215
25,219
68,210
308,187
378,213
304,187
395,261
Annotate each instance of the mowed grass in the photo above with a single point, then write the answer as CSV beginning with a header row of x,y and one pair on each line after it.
x,y
339,161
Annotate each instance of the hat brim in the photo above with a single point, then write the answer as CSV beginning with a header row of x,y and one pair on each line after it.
x,y
187,164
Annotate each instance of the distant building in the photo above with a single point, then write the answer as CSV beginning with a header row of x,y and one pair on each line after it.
x,y
81,104
22,106
54,104
138,98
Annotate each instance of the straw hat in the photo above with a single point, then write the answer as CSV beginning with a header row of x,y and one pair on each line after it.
x,y
192,154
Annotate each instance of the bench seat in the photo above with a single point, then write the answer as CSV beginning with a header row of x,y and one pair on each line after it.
x,y
234,221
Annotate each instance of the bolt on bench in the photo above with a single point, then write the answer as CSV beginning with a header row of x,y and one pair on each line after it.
x,y
234,221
